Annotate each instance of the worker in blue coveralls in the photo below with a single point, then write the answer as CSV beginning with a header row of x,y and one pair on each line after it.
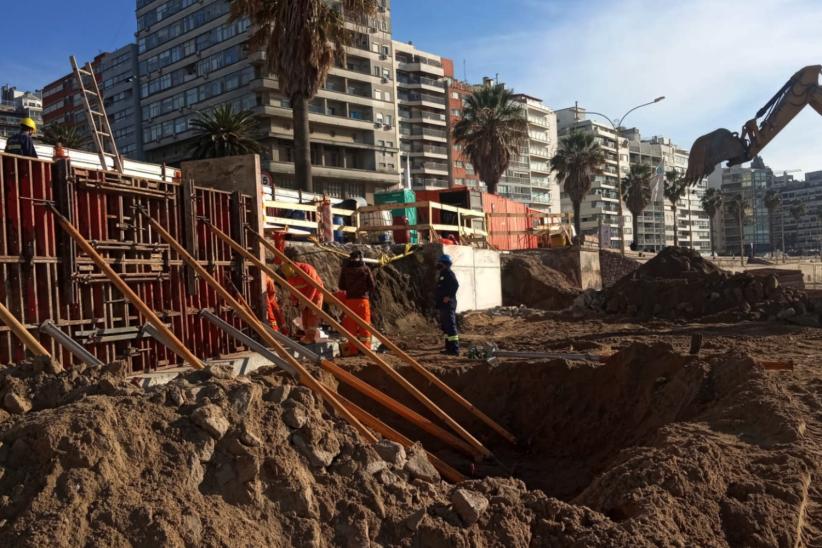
x,y
21,143
446,301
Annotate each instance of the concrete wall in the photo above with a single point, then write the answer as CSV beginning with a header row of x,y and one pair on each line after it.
x,y
479,273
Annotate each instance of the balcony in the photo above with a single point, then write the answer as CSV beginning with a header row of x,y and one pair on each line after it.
x,y
430,168
424,133
415,63
421,99
421,82
539,152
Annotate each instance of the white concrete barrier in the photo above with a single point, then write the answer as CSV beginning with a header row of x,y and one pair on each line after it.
x,y
479,273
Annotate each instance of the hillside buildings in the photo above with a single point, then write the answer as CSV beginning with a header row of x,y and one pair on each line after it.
x,y
16,105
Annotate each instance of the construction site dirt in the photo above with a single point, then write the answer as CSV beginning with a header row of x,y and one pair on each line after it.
x,y
653,447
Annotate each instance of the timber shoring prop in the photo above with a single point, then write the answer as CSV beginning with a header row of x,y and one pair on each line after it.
x,y
479,448
426,374
305,376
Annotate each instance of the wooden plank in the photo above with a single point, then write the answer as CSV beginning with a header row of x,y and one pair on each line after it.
x,y
63,192
188,231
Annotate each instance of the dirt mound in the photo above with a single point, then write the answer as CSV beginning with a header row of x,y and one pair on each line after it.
x,y
680,283
675,449
527,281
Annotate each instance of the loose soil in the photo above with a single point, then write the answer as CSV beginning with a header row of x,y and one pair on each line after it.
x,y
528,281
653,447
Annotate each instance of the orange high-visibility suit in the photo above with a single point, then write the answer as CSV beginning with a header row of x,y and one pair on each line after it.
x,y
311,321
356,284
274,314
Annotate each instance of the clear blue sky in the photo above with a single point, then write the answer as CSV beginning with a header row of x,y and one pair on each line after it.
x,y
717,62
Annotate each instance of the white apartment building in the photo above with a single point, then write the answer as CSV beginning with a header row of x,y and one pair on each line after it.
x,y
193,58
656,224
601,206
534,162
422,102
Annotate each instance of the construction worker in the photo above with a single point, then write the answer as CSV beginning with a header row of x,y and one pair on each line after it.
x,y
446,302
357,283
21,143
274,314
310,320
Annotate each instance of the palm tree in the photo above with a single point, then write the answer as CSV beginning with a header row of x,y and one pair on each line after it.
x,y
736,206
492,130
224,132
301,40
65,135
578,159
772,200
797,210
712,203
636,192
675,188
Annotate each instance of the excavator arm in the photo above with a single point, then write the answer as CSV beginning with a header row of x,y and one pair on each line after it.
x,y
722,145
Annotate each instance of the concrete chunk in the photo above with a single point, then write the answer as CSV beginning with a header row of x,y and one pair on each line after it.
x,y
470,505
211,419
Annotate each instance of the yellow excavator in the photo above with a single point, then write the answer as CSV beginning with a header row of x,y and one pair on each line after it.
x,y
737,148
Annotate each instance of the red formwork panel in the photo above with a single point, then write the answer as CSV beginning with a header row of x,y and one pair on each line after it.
x,y
510,228
33,266
422,212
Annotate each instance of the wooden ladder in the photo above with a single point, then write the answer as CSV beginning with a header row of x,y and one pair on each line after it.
x,y
96,115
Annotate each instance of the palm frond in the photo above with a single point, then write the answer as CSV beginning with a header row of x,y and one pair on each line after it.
x,y
492,131
224,132
636,188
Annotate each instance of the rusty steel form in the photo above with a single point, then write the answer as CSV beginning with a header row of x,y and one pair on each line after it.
x,y
43,276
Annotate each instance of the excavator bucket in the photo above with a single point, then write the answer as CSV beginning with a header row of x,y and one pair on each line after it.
x,y
711,149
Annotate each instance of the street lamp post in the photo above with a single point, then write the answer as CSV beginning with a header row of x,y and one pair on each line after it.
x,y
616,124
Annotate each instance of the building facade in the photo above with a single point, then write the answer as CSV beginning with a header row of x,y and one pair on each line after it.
x,y
656,224
193,58
462,171
422,103
120,86
802,235
599,211
751,183
542,192
16,105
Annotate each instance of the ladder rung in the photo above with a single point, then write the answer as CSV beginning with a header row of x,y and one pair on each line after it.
x,y
94,112
103,133
84,71
90,92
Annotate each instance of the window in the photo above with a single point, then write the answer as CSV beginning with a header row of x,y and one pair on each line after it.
x,y
455,95
376,71
388,119
386,50
377,95
386,95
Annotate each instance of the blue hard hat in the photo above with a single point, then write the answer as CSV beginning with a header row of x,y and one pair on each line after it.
x,y
446,259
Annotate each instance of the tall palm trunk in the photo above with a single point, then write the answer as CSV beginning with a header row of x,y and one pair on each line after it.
x,y
741,239
578,222
711,228
676,229
302,143
635,226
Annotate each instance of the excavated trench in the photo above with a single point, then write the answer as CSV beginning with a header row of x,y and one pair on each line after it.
x,y
573,420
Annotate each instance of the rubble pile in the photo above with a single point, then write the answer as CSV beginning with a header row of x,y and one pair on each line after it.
x,y
614,266
680,284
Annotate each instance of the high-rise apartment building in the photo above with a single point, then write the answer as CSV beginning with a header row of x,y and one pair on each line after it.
x,y
16,105
193,58
534,162
422,103
751,183
600,208
656,224
120,86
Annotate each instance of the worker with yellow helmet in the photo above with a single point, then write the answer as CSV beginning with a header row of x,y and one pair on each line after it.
x,y
22,143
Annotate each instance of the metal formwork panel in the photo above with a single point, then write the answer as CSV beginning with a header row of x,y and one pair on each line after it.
x,y
86,306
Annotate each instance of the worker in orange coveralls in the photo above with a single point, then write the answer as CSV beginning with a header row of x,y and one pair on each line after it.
x,y
274,314
310,320
357,285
